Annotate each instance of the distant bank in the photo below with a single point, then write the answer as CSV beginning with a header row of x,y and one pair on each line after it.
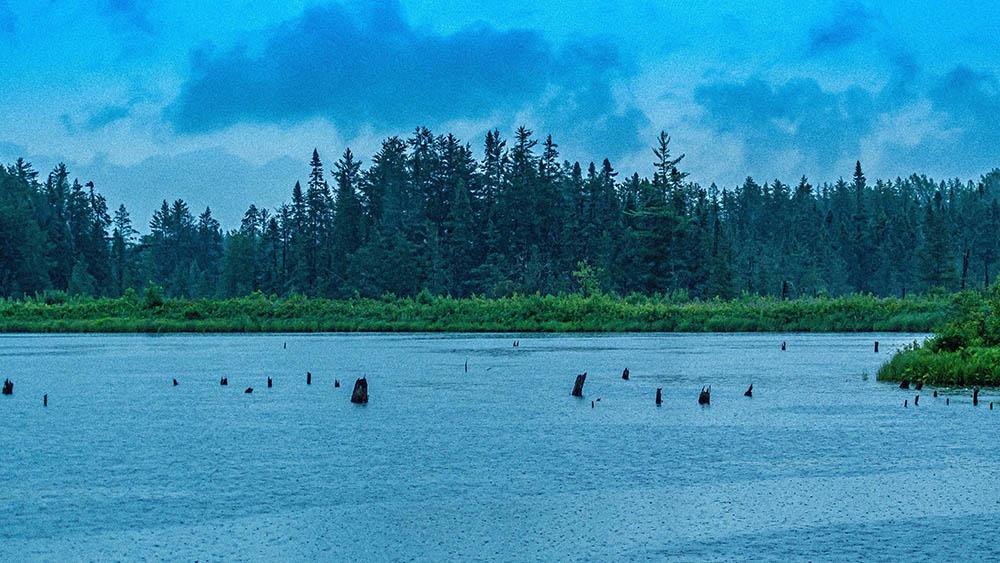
x,y
150,312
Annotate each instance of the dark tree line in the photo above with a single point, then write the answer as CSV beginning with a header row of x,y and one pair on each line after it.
x,y
427,215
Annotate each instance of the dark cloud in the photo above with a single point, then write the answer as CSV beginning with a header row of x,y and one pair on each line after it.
x,y
378,70
798,114
106,116
8,21
958,133
134,13
851,22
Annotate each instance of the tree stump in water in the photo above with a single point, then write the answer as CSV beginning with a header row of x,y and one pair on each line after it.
x,y
904,384
876,346
749,391
336,383
8,387
975,396
45,401
578,385
916,401
269,383
625,374
918,385
705,397
659,396
783,345
935,393
224,381
175,383
360,394
309,378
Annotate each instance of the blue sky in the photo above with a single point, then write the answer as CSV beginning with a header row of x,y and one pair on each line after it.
x,y
222,102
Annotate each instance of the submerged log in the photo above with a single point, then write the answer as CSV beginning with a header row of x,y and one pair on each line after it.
x,y
8,387
918,385
904,384
360,394
249,390
309,378
659,396
578,385
749,391
625,374
705,397
975,396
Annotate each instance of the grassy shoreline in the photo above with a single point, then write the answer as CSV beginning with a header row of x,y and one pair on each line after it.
x,y
964,352
426,313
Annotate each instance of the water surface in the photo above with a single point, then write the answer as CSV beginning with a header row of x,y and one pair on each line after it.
x,y
497,463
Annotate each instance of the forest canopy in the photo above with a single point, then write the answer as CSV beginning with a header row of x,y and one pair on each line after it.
x,y
427,214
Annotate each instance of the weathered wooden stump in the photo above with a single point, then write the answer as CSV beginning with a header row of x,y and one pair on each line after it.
x,y
269,383
578,385
918,385
592,404
935,393
783,345
659,396
336,383
625,374
360,394
916,401
224,381
8,387
175,383
309,378
749,391
705,397
947,400
248,390
904,384
975,396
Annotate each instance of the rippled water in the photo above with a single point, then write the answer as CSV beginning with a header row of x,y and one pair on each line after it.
x,y
497,463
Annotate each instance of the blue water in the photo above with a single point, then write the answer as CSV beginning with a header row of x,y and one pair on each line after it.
x,y
497,463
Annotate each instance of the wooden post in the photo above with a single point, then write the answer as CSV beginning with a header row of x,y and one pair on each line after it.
x,y
783,345
659,396
45,401
578,385
705,397
935,393
975,396
625,374
269,383
876,346
916,401
175,383
309,378
360,394
224,381
8,387
336,383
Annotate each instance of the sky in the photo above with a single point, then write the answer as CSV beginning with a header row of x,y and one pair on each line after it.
x,y
221,103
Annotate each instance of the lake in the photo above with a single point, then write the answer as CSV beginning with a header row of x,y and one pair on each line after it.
x,y
823,462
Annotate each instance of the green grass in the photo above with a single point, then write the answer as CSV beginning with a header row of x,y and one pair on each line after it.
x,y
964,352
427,313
